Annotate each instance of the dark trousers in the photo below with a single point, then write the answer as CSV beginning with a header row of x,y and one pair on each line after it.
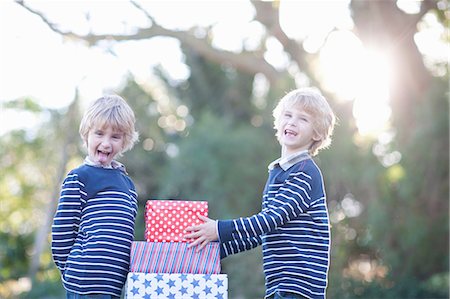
x,y
286,295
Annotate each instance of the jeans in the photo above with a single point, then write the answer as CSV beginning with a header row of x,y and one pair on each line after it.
x,y
70,295
286,295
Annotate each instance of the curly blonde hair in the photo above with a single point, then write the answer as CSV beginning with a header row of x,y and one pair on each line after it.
x,y
114,111
317,106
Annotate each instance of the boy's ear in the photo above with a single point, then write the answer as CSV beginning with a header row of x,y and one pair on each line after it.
x,y
316,136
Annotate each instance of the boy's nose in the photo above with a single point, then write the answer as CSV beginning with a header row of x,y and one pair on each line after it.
x,y
106,143
291,122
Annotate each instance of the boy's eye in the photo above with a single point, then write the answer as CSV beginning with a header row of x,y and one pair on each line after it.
x,y
119,136
98,133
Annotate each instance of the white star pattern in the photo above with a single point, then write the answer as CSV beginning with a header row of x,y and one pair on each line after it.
x,y
179,286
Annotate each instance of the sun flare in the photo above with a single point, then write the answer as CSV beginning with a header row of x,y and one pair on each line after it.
x,y
359,74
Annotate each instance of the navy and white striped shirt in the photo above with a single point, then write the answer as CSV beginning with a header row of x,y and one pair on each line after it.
x,y
93,229
293,228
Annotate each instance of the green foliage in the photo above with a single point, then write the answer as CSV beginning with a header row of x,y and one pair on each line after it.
x,y
436,288
24,104
13,255
437,285
220,90
28,160
403,230
222,163
46,285
390,234
18,187
145,162
417,204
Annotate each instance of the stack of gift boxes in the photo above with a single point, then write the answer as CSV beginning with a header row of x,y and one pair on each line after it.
x,y
163,266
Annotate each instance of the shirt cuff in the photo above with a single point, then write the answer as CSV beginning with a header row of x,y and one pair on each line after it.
x,y
225,229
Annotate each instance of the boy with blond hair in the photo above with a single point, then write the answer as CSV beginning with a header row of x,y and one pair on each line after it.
x,y
293,226
94,224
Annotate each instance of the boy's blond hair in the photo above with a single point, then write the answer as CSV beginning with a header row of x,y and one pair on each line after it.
x,y
317,106
114,111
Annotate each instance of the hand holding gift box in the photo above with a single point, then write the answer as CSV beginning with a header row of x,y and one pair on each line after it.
x,y
202,234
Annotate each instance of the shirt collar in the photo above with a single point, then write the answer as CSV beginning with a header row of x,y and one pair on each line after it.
x,y
114,164
287,162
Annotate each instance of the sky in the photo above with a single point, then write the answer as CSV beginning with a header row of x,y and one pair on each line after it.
x,y
39,63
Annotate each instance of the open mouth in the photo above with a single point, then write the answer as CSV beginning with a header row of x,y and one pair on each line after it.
x,y
288,132
102,156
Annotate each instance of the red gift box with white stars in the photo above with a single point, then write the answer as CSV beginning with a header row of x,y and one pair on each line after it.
x,y
165,220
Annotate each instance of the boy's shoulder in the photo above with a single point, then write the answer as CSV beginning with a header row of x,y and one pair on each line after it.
x,y
307,167
81,170
88,174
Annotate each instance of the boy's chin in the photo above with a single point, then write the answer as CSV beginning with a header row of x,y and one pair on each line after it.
x,y
104,162
101,161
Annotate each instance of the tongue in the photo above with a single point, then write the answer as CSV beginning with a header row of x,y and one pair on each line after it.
x,y
102,157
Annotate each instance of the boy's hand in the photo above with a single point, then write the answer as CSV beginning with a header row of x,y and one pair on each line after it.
x,y
203,233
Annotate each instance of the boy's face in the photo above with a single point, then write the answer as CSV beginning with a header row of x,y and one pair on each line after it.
x,y
296,130
104,143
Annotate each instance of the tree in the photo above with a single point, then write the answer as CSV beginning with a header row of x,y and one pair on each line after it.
x,y
399,200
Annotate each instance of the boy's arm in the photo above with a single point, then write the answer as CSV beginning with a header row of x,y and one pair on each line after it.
x,y
66,221
236,246
291,200
207,232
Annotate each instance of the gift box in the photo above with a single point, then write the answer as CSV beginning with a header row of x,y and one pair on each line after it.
x,y
174,257
179,286
165,220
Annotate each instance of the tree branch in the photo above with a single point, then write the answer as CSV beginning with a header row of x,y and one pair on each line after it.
x,y
51,25
267,13
246,62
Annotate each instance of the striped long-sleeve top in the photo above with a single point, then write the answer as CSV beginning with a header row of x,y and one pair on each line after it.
x,y
93,229
293,228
